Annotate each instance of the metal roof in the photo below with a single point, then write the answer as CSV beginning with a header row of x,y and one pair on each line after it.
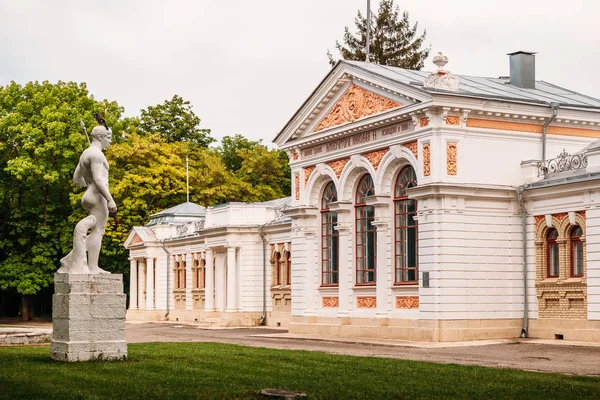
x,y
475,86
182,212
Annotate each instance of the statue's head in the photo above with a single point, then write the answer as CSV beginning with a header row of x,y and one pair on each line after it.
x,y
103,135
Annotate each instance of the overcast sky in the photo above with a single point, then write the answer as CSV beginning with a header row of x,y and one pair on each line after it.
x,y
248,65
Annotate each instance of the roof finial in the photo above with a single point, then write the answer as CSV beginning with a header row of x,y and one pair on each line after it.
x,y
441,79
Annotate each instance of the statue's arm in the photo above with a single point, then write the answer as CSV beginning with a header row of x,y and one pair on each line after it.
x,y
78,177
100,179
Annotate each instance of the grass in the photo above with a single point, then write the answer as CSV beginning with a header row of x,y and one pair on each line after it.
x,y
222,371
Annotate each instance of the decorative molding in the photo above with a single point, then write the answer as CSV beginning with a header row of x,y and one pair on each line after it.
x,y
354,104
426,159
407,302
539,218
295,156
452,120
338,165
423,122
297,186
533,128
413,147
137,239
451,150
307,173
375,157
330,302
366,302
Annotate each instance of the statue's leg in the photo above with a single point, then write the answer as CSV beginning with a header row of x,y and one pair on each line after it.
x,y
94,240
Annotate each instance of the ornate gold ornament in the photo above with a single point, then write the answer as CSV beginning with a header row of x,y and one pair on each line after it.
x,y
451,158
426,159
338,165
375,157
366,302
354,104
331,302
407,301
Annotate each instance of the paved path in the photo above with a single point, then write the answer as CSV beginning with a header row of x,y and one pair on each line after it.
x,y
534,355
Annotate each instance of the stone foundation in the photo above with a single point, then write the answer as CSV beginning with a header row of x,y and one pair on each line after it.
x,y
88,318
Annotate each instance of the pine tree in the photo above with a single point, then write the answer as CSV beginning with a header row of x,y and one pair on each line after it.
x,y
393,41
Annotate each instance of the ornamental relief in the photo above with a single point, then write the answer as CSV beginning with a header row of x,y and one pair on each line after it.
x,y
423,122
307,173
413,147
452,120
375,157
354,104
426,159
451,150
338,165
297,186
330,302
366,302
407,302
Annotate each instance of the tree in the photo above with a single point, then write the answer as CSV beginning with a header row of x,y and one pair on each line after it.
x,y
393,41
230,148
175,121
40,142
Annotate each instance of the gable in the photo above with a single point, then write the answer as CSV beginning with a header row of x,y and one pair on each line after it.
x,y
355,103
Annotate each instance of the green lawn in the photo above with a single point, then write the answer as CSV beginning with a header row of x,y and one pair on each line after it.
x,y
220,371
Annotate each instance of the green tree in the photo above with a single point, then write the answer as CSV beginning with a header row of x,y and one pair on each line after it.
x,y
393,41
40,142
175,121
230,148
267,171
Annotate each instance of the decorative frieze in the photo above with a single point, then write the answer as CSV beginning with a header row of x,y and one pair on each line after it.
x,y
451,161
330,302
297,186
413,147
423,122
375,157
426,159
528,127
354,104
366,302
452,120
338,165
307,173
407,301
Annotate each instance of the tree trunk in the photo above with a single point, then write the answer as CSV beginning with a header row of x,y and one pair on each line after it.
x,y
27,312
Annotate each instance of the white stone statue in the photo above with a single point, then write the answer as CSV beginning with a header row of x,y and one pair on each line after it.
x,y
91,172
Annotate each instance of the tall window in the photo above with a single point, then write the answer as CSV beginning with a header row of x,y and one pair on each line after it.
x,y
552,253
288,268
406,248
329,238
576,251
198,272
179,271
366,234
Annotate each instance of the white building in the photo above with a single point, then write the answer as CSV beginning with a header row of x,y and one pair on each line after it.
x,y
425,206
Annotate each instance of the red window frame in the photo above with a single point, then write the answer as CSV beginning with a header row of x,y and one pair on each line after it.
x,y
365,234
404,211
551,244
288,267
329,239
575,240
278,268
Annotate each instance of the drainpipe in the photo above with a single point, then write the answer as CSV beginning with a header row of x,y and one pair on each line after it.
x,y
263,318
520,191
544,127
162,242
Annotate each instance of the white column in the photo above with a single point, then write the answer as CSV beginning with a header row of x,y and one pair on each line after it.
x,y
150,283
189,300
133,296
141,285
384,268
220,283
346,274
232,294
313,270
209,285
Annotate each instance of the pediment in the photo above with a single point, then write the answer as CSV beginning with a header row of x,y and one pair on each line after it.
x,y
139,235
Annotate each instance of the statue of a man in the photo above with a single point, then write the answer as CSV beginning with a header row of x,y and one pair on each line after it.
x,y
91,172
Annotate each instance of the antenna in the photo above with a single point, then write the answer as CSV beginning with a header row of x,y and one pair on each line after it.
x,y
187,179
368,30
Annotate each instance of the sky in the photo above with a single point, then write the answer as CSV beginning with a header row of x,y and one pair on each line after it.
x,y
246,66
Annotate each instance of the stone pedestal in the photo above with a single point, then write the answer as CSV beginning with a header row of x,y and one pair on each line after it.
x,y
88,317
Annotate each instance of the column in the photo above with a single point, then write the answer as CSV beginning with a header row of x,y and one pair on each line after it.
x,y
312,270
209,285
150,283
232,294
346,274
133,296
189,300
220,283
141,285
383,275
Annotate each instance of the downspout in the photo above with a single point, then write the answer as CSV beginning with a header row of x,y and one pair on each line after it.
x,y
544,127
263,318
162,242
520,191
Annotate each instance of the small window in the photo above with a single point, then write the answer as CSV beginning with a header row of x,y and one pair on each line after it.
x,y
552,253
576,251
366,234
329,238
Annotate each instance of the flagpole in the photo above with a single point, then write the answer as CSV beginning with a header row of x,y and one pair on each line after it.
x,y
187,179
368,30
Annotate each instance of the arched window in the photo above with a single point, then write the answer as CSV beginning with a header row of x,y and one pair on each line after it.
x,y
366,233
406,248
552,253
329,238
576,251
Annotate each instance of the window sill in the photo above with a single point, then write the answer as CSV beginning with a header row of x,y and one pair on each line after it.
x,y
364,287
198,290
402,284
281,287
329,289
574,279
180,290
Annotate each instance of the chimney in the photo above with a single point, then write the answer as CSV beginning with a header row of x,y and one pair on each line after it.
x,y
522,69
